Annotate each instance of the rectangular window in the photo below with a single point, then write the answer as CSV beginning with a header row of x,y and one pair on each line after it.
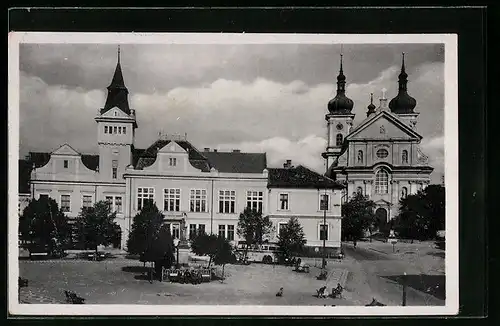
x,y
118,204
201,228
115,131
172,200
324,202
109,200
222,231
120,130
175,231
192,231
114,172
65,164
230,232
87,201
254,200
173,161
284,202
323,232
227,201
144,195
198,200
105,129
281,228
124,130
65,203
43,196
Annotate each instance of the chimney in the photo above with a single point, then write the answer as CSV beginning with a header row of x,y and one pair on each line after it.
x,y
287,164
236,151
215,150
206,149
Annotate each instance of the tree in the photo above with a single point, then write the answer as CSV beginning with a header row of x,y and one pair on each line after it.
x,y
358,216
161,249
422,214
96,226
218,249
205,244
146,225
44,224
224,253
253,227
291,238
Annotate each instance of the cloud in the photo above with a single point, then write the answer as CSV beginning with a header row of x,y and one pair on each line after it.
x,y
285,119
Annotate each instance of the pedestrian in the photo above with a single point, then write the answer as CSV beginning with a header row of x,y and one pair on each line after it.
x,y
354,242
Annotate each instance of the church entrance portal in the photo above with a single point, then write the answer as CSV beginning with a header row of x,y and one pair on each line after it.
x,y
381,214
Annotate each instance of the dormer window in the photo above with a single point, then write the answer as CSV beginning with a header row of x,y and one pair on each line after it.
x,y
66,164
173,161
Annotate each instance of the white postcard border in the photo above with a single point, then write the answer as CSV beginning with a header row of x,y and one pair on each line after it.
x,y
451,168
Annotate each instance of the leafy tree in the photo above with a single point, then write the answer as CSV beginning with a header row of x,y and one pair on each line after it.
x,y
291,238
224,253
422,214
96,226
218,249
146,225
358,216
253,227
205,244
44,224
161,249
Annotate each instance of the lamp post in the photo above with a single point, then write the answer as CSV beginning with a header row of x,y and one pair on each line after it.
x,y
176,244
325,207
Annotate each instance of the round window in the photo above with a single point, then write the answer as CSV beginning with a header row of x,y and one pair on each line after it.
x,y
382,153
340,126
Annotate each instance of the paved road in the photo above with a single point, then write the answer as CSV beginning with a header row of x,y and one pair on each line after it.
x,y
378,275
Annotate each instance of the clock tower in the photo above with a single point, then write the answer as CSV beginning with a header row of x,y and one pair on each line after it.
x,y
339,120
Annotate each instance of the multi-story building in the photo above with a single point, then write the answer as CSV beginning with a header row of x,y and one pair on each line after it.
x,y
380,157
196,190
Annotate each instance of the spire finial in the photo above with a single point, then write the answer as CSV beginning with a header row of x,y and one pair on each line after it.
x,y
371,98
118,53
403,63
341,68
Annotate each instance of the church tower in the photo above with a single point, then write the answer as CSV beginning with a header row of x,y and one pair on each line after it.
x,y
339,119
403,104
116,125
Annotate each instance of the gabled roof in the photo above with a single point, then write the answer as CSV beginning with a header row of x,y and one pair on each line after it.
x,y
391,117
300,177
225,162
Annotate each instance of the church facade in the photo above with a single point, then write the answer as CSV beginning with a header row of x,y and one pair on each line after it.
x,y
380,157
195,189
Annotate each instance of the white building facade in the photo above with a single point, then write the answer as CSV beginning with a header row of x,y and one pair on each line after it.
x,y
196,190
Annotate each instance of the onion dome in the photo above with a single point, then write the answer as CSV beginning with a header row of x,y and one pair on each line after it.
x,y
371,107
403,103
341,104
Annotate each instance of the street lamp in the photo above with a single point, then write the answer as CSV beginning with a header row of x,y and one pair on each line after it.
x,y
176,244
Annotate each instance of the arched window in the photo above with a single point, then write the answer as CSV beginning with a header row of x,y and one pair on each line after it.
x,y
359,190
404,192
360,156
339,139
381,182
404,156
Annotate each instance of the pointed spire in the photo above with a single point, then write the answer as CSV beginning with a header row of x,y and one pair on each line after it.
x,y
371,107
341,77
403,76
341,104
117,91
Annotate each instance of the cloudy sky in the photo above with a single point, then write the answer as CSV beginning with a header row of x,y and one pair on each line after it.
x,y
258,98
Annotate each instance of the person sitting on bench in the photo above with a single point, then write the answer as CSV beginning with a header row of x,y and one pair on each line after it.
x,y
321,292
336,292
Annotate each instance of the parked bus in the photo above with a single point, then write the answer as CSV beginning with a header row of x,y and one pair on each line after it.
x,y
265,253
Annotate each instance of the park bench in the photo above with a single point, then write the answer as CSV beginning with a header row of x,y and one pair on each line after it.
x,y
71,297
206,275
100,256
337,291
302,268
